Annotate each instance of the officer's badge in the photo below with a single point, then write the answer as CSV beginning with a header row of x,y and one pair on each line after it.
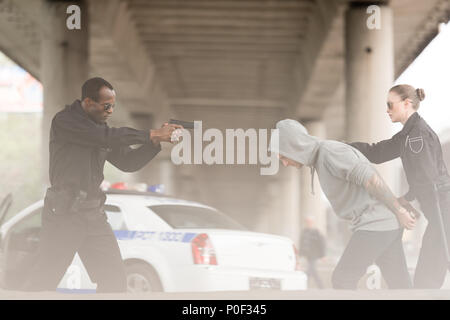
x,y
416,144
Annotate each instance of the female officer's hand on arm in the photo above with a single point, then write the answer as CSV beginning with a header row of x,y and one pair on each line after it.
x,y
349,165
379,189
404,203
406,219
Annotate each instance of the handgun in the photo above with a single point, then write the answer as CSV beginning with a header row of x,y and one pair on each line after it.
x,y
185,124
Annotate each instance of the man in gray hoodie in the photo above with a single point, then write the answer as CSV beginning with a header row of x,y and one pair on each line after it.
x,y
357,194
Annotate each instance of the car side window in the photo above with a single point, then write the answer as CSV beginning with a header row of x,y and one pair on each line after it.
x,y
182,216
115,217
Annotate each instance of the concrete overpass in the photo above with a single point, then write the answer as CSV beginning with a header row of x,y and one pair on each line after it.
x,y
232,64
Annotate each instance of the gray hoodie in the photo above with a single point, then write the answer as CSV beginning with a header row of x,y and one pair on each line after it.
x,y
342,171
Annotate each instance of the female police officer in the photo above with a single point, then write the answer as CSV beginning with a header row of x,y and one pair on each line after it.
x,y
419,148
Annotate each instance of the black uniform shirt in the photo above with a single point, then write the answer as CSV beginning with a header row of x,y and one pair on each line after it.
x,y
79,148
420,150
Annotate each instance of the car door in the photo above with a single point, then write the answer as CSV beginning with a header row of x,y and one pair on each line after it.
x,y
19,248
4,207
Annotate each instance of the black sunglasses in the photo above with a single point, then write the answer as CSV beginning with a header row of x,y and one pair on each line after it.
x,y
106,106
390,105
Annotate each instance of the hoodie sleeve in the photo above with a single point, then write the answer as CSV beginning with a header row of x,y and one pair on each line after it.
x,y
346,164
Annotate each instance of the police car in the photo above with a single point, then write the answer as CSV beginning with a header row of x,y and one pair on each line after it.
x,y
168,245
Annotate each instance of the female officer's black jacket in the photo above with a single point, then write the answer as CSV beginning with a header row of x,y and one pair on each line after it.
x,y
419,148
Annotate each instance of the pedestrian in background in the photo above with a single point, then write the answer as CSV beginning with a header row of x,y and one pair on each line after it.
x,y
312,247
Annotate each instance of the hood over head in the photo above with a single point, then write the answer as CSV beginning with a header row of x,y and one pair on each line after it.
x,y
294,142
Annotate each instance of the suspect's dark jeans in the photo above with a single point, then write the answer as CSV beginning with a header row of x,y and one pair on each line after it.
x,y
365,248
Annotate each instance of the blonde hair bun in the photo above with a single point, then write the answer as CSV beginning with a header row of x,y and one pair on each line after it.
x,y
420,94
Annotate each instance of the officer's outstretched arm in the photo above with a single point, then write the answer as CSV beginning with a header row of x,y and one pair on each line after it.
x,y
77,130
379,152
131,160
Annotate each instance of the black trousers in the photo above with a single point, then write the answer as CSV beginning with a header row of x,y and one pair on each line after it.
x,y
432,265
87,233
365,248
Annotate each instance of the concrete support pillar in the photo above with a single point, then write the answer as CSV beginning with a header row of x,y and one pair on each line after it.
x,y
313,205
369,72
64,64
279,207
291,221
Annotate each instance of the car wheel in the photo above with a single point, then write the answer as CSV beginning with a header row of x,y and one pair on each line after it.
x,y
142,278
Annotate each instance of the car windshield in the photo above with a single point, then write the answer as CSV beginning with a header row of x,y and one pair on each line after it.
x,y
190,217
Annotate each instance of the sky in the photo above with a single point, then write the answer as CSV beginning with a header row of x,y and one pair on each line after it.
x,y
431,71
19,91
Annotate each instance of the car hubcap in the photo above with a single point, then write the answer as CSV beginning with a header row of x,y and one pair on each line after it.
x,y
138,283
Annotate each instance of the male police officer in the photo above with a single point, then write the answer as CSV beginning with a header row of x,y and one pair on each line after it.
x,y
73,219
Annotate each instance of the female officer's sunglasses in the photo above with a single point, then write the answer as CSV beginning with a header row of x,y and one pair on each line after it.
x,y
390,105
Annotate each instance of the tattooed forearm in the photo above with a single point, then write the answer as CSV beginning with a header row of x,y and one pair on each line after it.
x,y
379,189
